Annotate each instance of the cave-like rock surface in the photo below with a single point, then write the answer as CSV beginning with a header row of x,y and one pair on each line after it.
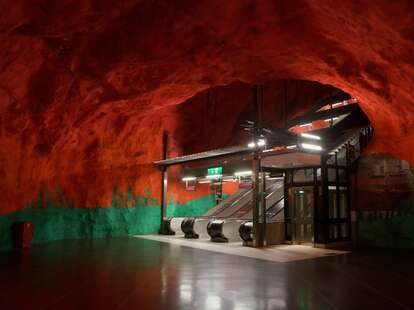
x,y
87,87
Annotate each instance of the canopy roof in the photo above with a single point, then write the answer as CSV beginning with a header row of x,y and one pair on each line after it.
x,y
232,150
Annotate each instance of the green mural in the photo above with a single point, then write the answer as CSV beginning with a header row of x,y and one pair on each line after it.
x,y
56,217
393,230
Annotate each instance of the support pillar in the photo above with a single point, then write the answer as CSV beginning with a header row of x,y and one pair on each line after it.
x,y
258,213
258,227
324,219
263,204
164,186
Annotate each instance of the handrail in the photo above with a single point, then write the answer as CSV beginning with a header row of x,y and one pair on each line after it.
x,y
232,204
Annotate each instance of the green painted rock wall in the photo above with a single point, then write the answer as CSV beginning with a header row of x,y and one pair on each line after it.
x,y
388,231
59,218
195,207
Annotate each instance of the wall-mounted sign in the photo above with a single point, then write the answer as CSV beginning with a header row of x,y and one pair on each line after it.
x,y
215,170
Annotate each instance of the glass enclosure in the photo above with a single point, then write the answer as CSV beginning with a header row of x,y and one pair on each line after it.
x,y
302,204
317,201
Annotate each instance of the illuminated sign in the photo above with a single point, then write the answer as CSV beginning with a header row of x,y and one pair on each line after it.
x,y
215,170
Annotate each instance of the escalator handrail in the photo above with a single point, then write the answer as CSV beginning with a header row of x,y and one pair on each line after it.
x,y
232,204
274,205
225,203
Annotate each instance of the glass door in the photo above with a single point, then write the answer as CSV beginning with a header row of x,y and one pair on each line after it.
x,y
301,206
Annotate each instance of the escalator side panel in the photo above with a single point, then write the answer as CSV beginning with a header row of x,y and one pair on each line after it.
x,y
276,190
226,202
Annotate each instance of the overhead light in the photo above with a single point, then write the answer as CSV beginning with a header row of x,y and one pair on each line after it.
x,y
309,136
275,178
305,125
185,179
204,181
291,146
214,176
337,104
312,147
251,145
261,142
333,119
243,173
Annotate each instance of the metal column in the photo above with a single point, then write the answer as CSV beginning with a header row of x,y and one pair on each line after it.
x,y
263,204
257,226
164,186
258,223
324,219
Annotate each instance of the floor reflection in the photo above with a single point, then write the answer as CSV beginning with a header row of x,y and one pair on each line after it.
x,y
142,274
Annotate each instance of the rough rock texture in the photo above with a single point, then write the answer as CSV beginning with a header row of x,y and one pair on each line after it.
x,y
382,183
87,87
383,197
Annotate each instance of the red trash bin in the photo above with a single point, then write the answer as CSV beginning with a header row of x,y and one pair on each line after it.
x,y
23,234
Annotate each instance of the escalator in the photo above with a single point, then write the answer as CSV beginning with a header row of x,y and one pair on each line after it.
x,y
222,222
275,212
275,192
224,230
229,201
241,207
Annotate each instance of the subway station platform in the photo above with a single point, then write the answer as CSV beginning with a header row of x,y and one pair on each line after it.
x,y
134,273
277,253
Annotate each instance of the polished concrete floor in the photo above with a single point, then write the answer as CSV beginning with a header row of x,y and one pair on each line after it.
x,y
131,273
277,253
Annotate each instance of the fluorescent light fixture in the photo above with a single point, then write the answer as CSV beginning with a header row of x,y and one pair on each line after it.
x,y
329,119
213,176
309,136
305,125
291,146
251,145
243,173
229,180
337,104
275,178
312,147
204,182
261,142
189,178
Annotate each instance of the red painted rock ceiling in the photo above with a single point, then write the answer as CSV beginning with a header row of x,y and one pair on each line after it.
x,y
87,87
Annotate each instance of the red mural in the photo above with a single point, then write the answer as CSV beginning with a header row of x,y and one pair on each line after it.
x,y
88,87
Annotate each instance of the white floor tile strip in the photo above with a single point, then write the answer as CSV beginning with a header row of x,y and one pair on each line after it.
x,y
278,253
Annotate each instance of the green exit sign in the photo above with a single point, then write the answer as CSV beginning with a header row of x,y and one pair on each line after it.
x,y
214,170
